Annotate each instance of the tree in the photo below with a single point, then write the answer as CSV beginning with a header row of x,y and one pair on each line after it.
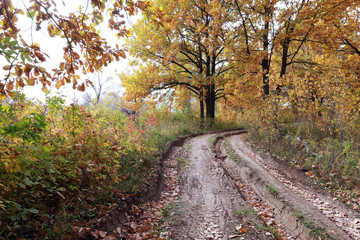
x,y
85,49
274,49
99,88
277,30
186,51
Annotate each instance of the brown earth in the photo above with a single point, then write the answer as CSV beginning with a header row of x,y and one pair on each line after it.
x,y
210,206
215,186
218,193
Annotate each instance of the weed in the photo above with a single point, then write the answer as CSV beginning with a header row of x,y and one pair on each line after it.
x,y
166,210
253,212
274,232
316,232
211,140
232,154
188,147
242,212
183,160
298,215
309,225
273,191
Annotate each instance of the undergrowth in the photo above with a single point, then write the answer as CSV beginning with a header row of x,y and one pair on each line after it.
x,y
64,167
332,160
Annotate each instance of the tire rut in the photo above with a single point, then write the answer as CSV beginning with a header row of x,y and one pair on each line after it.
x,y
209,199
203,192
222,190
293,205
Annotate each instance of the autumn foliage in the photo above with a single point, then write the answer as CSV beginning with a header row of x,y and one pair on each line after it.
x,y
58,162
85,50
289,69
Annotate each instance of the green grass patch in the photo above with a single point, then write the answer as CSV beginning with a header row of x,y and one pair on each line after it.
x,y
298,215
273,191
232,154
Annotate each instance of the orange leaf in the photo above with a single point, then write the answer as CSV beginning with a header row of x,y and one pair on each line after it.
x,y
95,234
10,85
36,72
32,81
21,82
27,69
310,173
40,56
7,67
18,71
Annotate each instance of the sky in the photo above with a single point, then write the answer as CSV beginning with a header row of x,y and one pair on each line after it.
x,y
54,46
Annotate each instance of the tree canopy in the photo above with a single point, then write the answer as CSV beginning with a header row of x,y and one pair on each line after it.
x,y
231,52
86,51
184,52
238,51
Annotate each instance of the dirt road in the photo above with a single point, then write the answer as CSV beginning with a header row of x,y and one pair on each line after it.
x,y
208,199
237,194
217,187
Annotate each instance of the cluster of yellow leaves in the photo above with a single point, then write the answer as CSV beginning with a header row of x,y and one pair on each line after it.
x,y
314,67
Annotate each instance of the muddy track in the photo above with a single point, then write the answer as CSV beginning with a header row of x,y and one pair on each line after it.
x,y
297,205
216,187
220,185
209,203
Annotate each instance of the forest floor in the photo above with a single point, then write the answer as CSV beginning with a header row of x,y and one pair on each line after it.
x,y
218,187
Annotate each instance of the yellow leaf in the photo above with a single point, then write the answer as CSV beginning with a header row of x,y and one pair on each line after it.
x,y
2,96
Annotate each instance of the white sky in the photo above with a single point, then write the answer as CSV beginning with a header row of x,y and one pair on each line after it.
x,y
54,48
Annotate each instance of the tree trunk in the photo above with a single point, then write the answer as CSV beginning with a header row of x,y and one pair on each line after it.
x,y
285,54
266,85
202,115
265,62
210,104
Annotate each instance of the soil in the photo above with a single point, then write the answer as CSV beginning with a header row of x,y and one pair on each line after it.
x,y
219,192
297,197
210,206
216,186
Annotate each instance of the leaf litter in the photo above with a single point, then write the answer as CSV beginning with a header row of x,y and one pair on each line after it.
x,y
350,224
145,221
204,221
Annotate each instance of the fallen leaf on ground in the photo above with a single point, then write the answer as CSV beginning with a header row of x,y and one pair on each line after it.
x,y
102,234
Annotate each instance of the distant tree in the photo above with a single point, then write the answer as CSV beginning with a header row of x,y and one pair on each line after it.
x,y
100,87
